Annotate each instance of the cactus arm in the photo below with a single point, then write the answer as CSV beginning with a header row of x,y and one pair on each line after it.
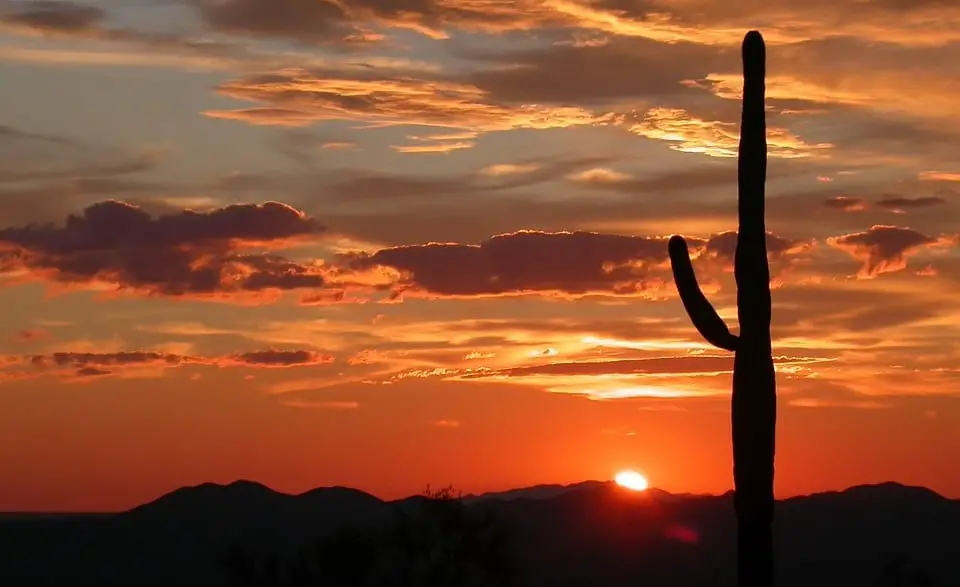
x,y
701,312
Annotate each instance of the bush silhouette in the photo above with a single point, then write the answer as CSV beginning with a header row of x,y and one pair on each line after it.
x,y
433,540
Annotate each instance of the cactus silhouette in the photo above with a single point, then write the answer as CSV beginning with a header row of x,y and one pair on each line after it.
x,y
754,403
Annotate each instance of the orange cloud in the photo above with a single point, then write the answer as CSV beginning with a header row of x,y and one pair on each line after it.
x,y
510,169
600,175
692,364
297,97
939,176
432,148
872,86
697,21
716,139
845,203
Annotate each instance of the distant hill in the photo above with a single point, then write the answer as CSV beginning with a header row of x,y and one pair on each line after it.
x,y
589,534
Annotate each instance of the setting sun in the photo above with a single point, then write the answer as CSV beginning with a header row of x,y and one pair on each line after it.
x,y
631,480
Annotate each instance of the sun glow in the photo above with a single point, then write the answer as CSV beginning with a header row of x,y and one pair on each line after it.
x,y
631,480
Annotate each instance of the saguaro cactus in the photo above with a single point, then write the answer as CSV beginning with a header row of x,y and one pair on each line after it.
x,y
754,384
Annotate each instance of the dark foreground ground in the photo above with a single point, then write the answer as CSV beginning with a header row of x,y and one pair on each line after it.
x,y
592,534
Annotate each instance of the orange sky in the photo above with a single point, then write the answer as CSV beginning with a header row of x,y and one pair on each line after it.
x,y
391,244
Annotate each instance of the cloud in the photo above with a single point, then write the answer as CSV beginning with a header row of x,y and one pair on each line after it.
x,y
32,335
821,393
698,21
278,358
101,363
724,246
310,21
31,157
356,185
901,204
184,253
325,20
86,364
510,168
561,263
884,249
600,175
542,74
845,203
690,134
321,405
695,364
443,147
864,81
52,17
943,176
782,21
298,97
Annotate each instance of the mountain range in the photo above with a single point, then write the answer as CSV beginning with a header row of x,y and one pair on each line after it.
x,y
592,534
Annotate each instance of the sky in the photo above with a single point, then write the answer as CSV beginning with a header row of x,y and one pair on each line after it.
x,y
393,243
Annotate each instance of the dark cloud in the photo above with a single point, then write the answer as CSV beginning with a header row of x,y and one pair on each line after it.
x,y
12,133
112,224
121,359
884,249
568,264
320,20
724,246
175,254
565,263
52,17
92,372
311,21
100,364
620,68
279,358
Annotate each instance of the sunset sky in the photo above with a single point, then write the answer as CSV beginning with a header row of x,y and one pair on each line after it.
x,y
392,243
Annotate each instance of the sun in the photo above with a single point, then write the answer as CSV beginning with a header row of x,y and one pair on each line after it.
x,y
631,480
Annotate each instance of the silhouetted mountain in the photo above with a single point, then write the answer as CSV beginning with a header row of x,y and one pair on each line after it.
x,y
534,492
589,534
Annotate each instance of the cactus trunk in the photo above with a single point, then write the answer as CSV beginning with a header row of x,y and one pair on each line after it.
x,y
754,404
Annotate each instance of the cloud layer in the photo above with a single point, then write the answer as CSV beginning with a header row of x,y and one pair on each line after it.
x,y
187,253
